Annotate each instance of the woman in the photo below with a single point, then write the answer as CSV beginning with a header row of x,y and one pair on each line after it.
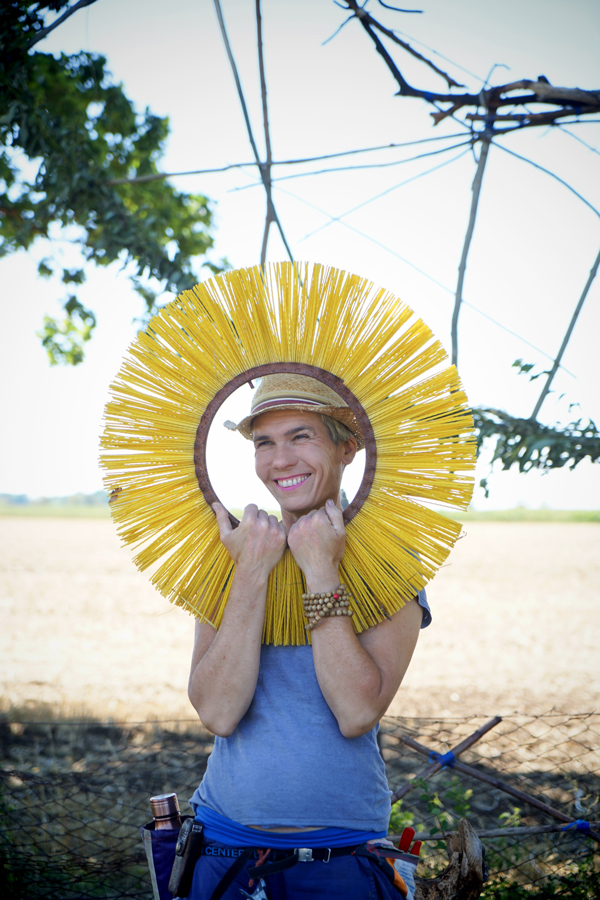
x,y
295,768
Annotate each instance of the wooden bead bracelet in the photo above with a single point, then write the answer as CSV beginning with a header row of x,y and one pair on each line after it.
x,y
326,605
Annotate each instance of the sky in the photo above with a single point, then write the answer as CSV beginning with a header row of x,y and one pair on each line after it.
x,y
534,244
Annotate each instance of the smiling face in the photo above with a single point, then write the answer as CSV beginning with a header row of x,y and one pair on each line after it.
x,y
298,462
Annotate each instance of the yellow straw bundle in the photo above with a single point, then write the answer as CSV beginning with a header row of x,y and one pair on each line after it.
x,y
289,313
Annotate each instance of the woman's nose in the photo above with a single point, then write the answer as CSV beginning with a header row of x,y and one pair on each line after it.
x,y
284,456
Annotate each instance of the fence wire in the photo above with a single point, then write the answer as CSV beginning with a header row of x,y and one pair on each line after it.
x,y
73,796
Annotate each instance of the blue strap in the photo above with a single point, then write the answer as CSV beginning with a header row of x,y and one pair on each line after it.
x,y
445,759
579,825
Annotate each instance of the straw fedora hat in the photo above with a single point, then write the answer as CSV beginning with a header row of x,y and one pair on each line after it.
x,y
299,392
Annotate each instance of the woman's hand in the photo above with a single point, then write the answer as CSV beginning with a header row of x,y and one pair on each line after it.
x,y
257,544
317,542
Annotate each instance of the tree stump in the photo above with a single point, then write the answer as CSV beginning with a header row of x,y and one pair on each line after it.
x,y
465,874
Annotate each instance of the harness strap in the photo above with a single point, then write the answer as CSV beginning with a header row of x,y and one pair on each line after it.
x,y
231,874
299,855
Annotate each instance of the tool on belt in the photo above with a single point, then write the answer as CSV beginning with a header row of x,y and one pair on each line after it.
x,y
396,864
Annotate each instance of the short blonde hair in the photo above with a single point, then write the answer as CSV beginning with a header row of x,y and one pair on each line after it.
x,y
338,432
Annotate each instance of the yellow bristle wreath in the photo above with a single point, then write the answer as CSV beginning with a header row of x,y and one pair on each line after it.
x,y
364,342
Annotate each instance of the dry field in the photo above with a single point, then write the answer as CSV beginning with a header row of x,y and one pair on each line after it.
x,y
516,625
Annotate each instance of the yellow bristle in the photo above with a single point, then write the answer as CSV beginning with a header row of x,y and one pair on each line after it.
x,y
289,313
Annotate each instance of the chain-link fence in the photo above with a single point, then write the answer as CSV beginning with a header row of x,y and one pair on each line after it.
x,y
73,796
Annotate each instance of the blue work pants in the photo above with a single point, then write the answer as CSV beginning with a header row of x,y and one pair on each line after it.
x,y
342,878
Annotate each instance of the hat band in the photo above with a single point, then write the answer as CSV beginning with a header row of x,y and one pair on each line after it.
x,y
289,401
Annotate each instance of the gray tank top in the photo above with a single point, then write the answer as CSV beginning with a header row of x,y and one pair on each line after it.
x,y
288,764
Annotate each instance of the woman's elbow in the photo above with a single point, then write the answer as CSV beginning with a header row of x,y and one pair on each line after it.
x,y
217,724
213,720
219,729
355,726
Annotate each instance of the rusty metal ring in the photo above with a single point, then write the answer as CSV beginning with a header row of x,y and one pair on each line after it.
x,y
327,378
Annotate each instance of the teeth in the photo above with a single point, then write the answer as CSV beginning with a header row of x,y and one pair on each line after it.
x,y
290,482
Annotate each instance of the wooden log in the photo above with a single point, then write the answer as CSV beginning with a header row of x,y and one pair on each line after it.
x,y
436,766
500,785
464,875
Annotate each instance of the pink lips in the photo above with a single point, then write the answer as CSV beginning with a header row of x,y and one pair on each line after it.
x,y
292,487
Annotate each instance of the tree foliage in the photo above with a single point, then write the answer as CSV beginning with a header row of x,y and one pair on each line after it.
x,y
528,444
67,134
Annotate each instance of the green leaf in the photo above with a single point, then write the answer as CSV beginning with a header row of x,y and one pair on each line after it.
x,y
44,269
66,115
74,276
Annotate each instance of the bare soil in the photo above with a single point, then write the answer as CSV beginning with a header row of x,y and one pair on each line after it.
x,y
516,625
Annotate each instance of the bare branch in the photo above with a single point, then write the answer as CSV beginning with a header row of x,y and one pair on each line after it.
x,y
269,158
368,22
337,30
579,101
563,346
395,8
236,78
522,120
260,164
476,190
548,93
46,31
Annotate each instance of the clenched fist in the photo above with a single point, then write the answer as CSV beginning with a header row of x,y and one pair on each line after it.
x,y
257,544
317,542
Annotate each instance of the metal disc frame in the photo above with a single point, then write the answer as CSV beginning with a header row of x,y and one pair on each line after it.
x,y
328,378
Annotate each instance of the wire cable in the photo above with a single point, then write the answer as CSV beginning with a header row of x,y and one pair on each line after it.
x,y
552,175
358,168
400,184
424,274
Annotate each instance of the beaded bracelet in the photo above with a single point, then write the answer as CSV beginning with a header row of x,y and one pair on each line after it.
x,y
326,605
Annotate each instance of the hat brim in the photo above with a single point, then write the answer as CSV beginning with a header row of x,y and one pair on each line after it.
x,y
342,414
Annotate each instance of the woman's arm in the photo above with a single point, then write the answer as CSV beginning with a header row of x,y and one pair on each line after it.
x,y
225,663
358,675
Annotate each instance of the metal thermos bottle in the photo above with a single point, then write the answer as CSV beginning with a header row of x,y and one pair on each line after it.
x,y
165,809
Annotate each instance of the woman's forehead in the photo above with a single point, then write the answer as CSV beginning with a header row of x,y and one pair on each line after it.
x,y
283,420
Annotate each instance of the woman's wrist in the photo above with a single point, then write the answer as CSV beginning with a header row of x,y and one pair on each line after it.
x,y
253,577
322,580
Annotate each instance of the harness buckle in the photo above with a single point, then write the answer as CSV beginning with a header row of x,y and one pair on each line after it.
x,y
305,854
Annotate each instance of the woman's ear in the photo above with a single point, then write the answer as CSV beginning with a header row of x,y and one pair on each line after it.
x,y
350,448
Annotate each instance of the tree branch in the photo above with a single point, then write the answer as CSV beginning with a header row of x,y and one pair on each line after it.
x,y
269,158
476,190
584,102
563,346
406,46
534,446
46,31
259,163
